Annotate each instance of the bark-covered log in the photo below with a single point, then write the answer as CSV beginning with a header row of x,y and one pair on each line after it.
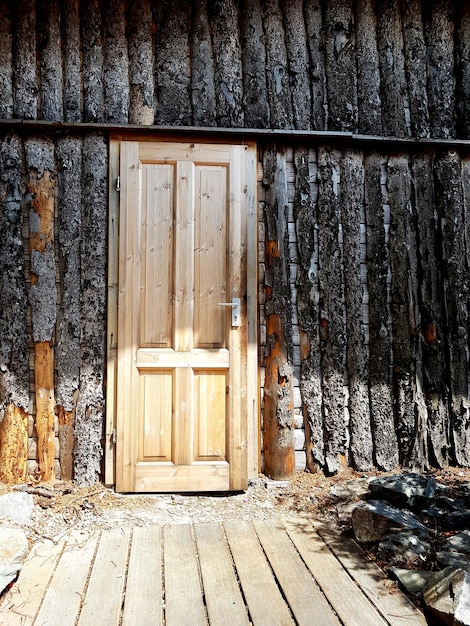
x,y
255,95
411,409
432,312
67,351
314,26
202,68
278,425
393,86
307,307
72,60
116,63
298,63
463,69
43,297
14,374
141,109
50,54
332,313
450,206
92,47
277,77
340,66
24,63
439,35
380,327
352,202
227,63
6,61
89,420
415,65
171,58
368,73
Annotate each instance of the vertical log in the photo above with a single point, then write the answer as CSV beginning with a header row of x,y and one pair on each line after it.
x,y
368,73
14,374
432,312
411,410
202,68
298,63
393,85
93,93
89,417
332,313
171,64
415,65
227,63
24,63
307,307
72,61
255,95
277,78
439,34
67,350
340,66
141,109
41,187
50,54
116,63
313,25
279,445
380,326
449,198
463,69
6,63
352,203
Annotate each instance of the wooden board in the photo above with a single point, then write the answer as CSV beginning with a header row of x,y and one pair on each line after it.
x,y
265,603
224,601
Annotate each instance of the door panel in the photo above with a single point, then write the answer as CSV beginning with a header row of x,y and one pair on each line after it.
x,y
181,392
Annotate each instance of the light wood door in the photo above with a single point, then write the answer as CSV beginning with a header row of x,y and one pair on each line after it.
x,y
182,359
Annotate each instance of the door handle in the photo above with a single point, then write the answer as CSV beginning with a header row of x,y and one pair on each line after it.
x,y
235,306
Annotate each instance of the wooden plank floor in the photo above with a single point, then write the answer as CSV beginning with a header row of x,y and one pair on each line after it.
x,y
266,573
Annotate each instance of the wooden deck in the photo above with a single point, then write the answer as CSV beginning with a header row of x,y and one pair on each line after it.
x,y
262,572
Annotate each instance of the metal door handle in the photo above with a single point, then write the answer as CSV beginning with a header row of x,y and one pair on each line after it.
x,y
235,306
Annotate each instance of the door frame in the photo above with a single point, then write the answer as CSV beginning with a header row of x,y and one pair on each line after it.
x,y
252,374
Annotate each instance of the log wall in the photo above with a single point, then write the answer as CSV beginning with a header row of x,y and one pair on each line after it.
x,y
364,254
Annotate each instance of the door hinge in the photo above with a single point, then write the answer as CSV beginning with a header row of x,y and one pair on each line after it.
x,y
114,437
118,183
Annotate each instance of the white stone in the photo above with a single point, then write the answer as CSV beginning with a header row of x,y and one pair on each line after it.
x,y
13,551
16,506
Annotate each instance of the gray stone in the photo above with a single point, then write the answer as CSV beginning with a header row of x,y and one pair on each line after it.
x,y
404,548
413,581
16,506
459,542
13,551
351,489
447,596
404,488
456,559
372,520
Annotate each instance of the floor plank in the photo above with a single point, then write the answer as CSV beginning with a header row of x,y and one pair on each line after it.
x,y
395,607
305,599
224,601
183,595
61,604
143,602
103,599
265,603
23,601
349,601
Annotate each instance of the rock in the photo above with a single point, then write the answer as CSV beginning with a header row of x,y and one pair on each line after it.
x,y
459,542
13,551
18,507
404,489
350,489
374,519
403,548
454,559
447,596
413,581
458,520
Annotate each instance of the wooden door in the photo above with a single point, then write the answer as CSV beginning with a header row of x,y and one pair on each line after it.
x,y
182,355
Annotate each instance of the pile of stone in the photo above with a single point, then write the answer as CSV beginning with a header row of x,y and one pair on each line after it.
x,y
419,530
